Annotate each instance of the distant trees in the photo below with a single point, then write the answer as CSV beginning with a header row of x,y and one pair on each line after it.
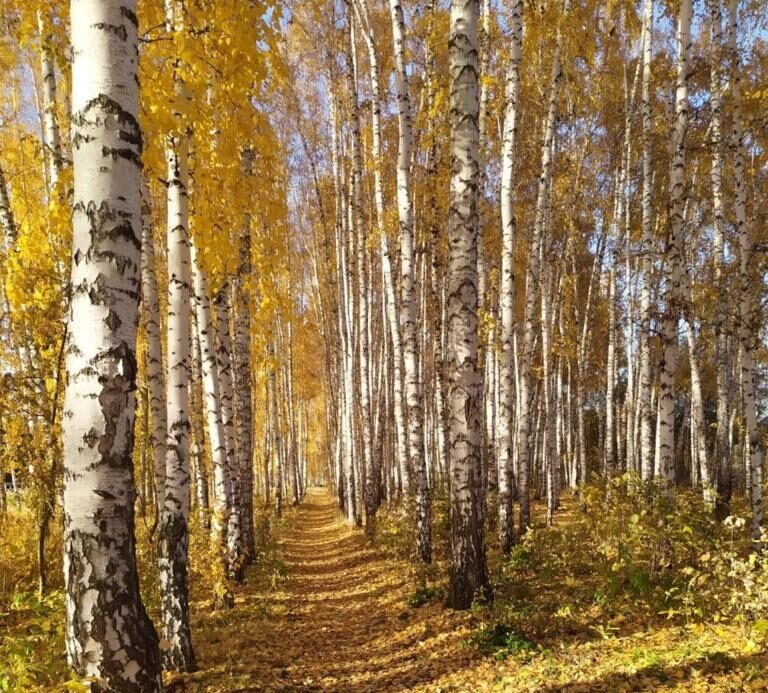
x,y
607,196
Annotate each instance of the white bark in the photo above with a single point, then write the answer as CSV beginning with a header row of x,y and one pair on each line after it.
x,y
469,578
665,445
357,231
532,290
645,377
224,362
507,293
222,484
722,456
155,375
408,312
109,636
243,389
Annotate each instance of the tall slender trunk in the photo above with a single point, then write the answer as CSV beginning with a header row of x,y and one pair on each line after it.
x,y
748,334
155,375
507,293
224,362
665,445
174,530
108,634
222,485
646,378
371,477
242,368
358,231
276,436
174,520
408,317
51,135
532,289
722,453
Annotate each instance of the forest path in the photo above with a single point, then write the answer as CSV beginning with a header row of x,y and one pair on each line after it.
x,y
337,621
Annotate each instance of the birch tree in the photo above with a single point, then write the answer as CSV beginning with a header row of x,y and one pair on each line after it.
x,y
408,308
645,378
155,375
665,443
532,280
469,572
109,636
174,520
507,294
747,336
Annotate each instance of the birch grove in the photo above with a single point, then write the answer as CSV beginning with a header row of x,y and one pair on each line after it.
x,y
474,279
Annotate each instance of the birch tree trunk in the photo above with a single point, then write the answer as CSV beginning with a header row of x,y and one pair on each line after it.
x,y
532,292
747,334
7,221
507,294
665,445
174,522
109,636
222,484
51,134
645,377
722,453
155,375
243,389
408,317
469,575
224,362
276,435
357,230
371,476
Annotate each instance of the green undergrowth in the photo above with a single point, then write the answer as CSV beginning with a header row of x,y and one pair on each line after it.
x,y
32,651
637,561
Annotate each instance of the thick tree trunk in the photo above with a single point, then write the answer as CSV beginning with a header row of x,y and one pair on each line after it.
x,y
108,634
469,574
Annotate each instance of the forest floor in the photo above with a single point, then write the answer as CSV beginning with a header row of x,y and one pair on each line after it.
x,y
336,618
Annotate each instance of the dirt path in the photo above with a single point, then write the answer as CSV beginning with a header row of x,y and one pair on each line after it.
x,y
337,621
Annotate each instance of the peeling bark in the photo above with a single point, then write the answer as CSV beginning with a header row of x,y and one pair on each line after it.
x,y
108,634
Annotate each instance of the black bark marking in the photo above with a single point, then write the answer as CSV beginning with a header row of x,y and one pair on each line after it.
x,y
117,29
130,16
122,153
113,321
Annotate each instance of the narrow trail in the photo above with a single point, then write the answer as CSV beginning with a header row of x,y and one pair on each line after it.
x,y
337,621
